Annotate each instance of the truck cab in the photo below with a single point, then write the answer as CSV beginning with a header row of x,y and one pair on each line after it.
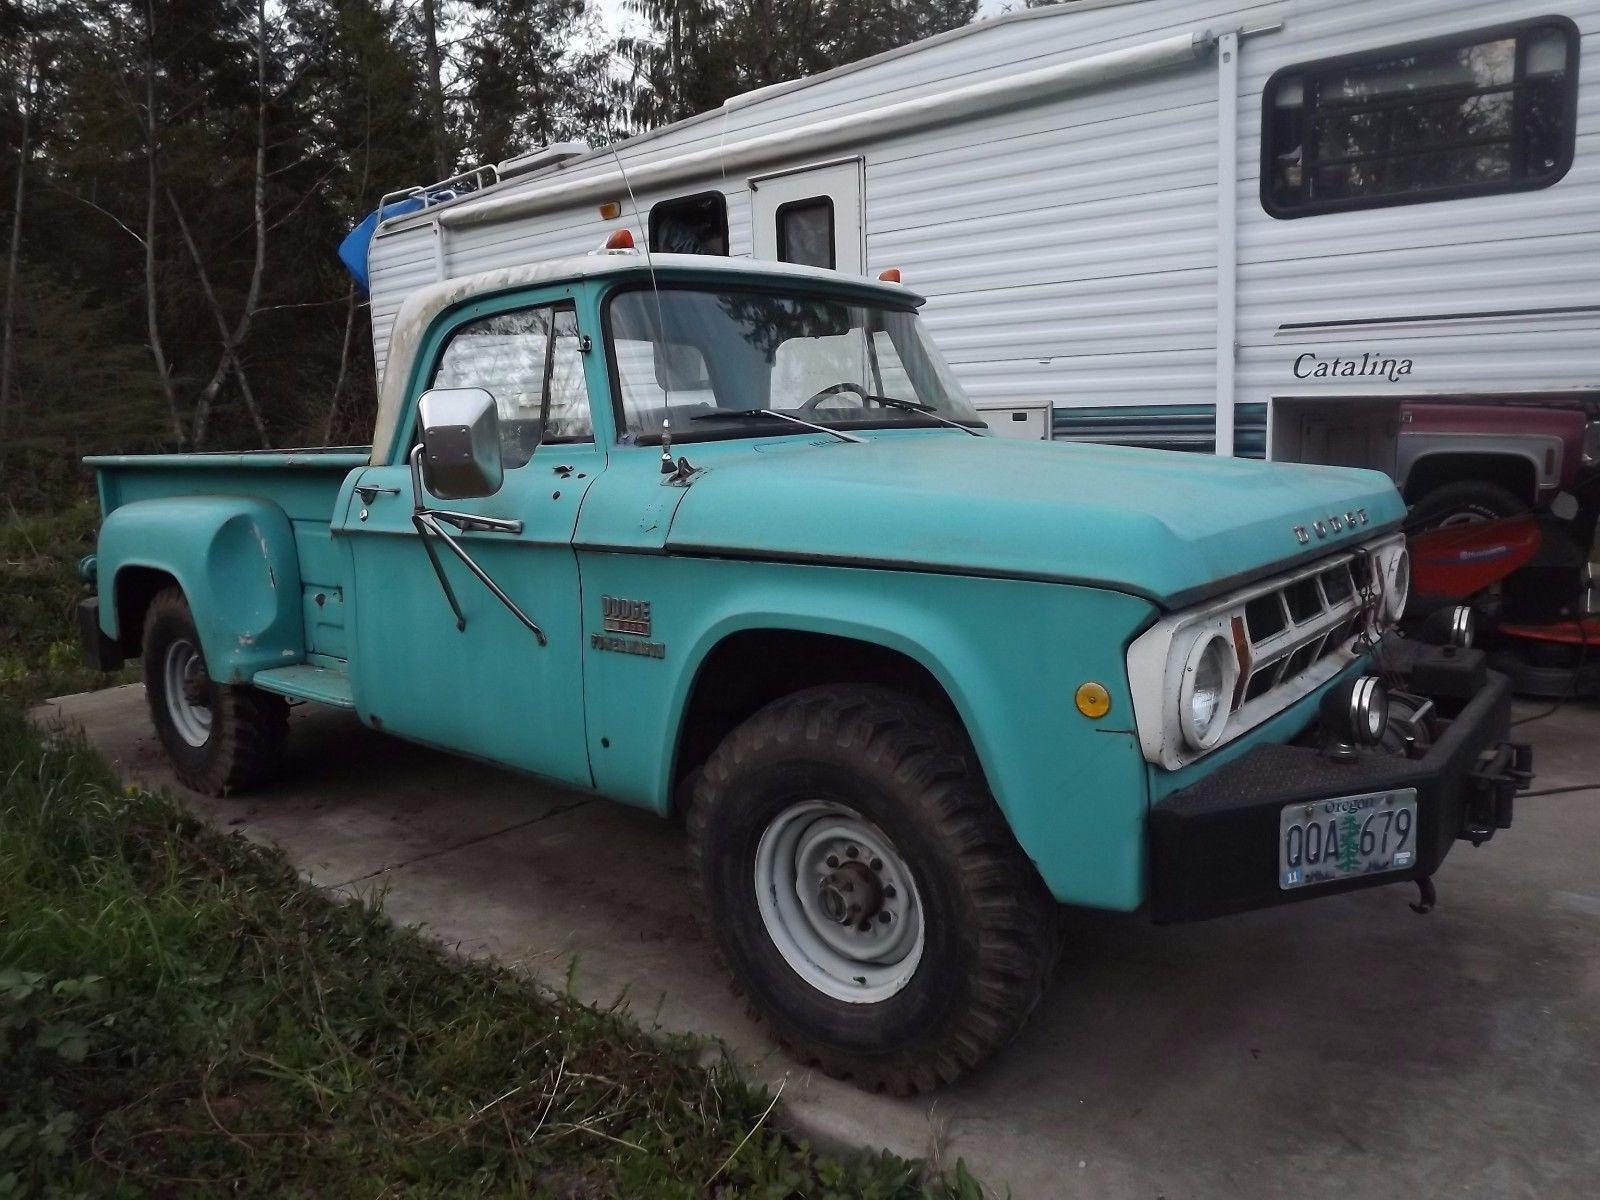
x,y
726,540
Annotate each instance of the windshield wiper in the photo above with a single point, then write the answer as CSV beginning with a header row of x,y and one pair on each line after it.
x,y
926,410
724,414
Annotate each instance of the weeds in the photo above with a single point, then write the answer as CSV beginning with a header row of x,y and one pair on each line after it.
x,y
39,587
180,1013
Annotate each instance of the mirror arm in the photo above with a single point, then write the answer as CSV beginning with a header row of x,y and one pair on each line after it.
x,y
418,519
427,521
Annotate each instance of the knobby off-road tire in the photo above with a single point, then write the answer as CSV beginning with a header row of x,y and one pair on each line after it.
x,y
903,778
220,738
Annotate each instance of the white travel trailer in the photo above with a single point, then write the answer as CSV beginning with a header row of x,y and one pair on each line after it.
x,y
1409,208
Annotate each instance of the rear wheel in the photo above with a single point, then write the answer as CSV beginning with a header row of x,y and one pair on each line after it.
x,y
220,738
864,889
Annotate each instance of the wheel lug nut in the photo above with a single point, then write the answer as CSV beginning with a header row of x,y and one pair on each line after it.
x,y
877,864
851,852
883,916
833,860
888,891
865,926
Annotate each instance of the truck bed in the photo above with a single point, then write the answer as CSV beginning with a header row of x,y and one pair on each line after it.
x,y
303,482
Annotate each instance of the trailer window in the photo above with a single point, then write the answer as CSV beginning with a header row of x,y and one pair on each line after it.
x,y
531,362
1466,115
690,225
805,232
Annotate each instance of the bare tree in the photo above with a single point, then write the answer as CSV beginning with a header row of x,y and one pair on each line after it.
x,y
27,100
151,128
430,42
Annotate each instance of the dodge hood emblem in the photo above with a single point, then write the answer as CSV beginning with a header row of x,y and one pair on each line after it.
x,y
1334,522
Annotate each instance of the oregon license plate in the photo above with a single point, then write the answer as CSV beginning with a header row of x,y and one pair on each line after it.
x,y
1323,841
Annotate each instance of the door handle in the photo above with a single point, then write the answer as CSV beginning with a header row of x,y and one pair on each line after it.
x,y
371,491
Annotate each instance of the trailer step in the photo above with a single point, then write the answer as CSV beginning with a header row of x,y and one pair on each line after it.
x,y
306,682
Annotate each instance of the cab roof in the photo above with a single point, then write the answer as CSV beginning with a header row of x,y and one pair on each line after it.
x,y
422,306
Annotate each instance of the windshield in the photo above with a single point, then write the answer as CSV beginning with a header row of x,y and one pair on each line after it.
x,y
683,352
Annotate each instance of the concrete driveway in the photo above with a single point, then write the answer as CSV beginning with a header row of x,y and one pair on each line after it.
x,y
1345,1048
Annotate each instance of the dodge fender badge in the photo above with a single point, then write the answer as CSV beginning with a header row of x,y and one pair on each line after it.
x,y
625,616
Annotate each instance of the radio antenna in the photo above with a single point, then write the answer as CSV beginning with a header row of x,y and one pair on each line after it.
x,y
661,321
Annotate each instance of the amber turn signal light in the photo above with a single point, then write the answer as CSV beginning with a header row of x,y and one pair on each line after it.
x,y
1093,700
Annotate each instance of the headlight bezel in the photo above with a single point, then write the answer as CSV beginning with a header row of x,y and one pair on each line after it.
x,y
1157,659
1396,583
1208,641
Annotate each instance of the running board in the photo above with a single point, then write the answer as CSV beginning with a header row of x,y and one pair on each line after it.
x,y
306,682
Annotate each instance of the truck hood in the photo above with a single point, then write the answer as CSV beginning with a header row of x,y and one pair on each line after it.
x,y
1173,527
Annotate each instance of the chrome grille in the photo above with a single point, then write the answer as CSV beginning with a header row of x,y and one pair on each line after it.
x,y
1301,620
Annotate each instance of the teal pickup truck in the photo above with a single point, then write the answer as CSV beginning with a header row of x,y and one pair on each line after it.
x,y
724,540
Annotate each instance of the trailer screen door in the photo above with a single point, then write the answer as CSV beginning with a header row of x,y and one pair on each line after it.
x,y
811,216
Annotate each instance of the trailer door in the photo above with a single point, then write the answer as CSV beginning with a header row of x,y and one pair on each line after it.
x,y
811,216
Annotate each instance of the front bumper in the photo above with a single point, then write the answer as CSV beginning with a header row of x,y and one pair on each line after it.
x,y
1214,845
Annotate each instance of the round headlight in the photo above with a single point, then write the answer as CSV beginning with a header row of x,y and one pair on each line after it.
x,y
1204,697
1397,587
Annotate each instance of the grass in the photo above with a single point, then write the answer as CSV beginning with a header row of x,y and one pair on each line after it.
x,y
39,588
180,1013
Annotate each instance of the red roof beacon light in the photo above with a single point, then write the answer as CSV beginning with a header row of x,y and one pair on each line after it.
x,y
620,241
892,275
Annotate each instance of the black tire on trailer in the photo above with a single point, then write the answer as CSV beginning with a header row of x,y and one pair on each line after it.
x,y
864,890
1464,502
220,738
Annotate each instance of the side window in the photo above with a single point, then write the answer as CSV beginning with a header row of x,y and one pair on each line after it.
x,y
566,407
1467,115
690,225
530,360
805,232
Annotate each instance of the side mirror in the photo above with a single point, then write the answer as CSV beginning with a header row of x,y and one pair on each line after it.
x,y
460,443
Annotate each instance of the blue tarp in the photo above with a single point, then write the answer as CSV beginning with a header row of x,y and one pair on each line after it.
x,y
353,250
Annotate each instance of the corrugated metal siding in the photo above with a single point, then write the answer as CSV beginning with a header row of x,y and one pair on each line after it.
x,y
1164,427
1520,250
1068,249
990,50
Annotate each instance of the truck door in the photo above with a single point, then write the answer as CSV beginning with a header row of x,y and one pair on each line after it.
x,y
491,689
811,216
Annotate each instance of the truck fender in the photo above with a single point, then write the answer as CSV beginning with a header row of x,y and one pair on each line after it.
x,y
233,556
1088,852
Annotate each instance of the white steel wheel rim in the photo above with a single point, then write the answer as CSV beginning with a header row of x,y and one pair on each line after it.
x,y
183,679
804,858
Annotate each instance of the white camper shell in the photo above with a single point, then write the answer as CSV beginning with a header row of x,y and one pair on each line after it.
x,y
1427,223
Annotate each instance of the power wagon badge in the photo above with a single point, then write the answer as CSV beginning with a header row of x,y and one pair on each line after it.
x,y
619,616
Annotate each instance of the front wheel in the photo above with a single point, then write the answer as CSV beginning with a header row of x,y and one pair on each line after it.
x,y
220,738
864,889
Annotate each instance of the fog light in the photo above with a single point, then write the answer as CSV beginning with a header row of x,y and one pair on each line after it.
x,y
1357,711
1455,626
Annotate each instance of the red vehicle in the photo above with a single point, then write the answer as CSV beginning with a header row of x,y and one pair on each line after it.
x,y
1475,459
1505,500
